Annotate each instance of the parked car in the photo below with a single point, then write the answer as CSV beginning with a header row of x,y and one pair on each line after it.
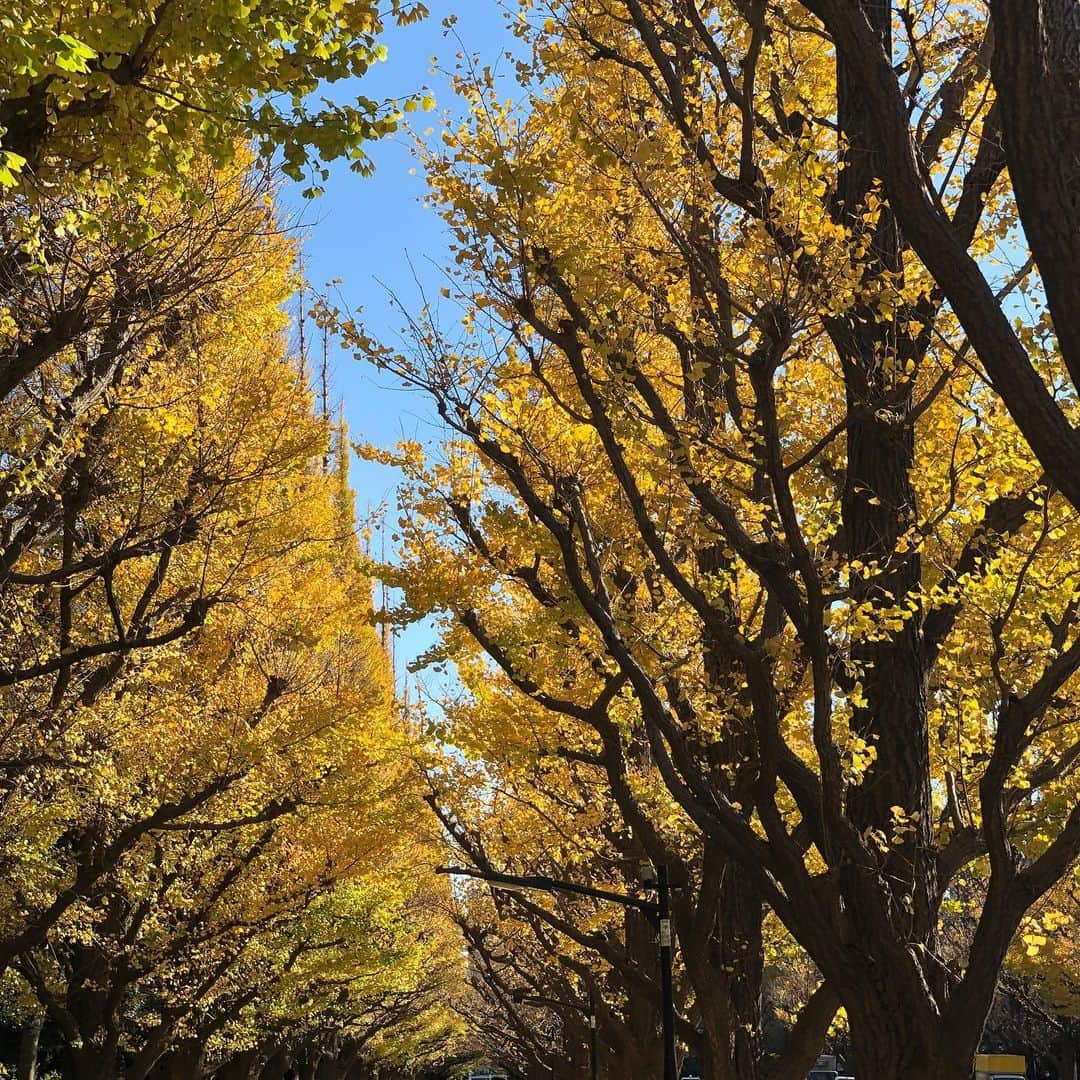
x,y
828,1068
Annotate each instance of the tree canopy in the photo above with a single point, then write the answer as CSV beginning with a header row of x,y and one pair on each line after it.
x,y
747,537
216,854
741,501
114,93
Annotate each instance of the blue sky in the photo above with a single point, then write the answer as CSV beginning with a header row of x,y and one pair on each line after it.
x,y
374,234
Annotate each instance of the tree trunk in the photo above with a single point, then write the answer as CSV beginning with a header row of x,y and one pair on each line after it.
x,y
185,1062
888,1046
725,960
892,993
310,1063
643,1010
28,1049
1067,1068
726,975
897,1035
275,1067
329,1067
241,1067
95,1061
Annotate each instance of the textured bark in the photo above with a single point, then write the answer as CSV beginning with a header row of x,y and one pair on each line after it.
x,y
97,1061
89,1014
329,1067
276,1066
1036,73
724,963
185,1062
28,1049
879,505
886,1051
642,1048
241,1067
1048,432
309,1064
895,905
1068,1058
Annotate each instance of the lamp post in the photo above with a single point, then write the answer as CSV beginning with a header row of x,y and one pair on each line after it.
x,y
588,1011
658,910
667,992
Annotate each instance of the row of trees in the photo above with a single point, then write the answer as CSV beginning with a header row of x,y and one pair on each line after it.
x,y
210,829
753,535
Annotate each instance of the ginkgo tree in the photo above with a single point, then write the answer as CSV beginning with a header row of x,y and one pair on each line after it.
x,y
532,797
111,94
732,489
210,825
555,820
201,813
137,499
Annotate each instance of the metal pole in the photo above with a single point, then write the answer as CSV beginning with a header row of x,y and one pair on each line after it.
x,y
594,1063
666,989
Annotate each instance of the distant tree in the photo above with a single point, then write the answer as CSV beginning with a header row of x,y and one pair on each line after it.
x,y
211,836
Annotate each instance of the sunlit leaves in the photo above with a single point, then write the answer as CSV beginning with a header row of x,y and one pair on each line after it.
x,y
133,88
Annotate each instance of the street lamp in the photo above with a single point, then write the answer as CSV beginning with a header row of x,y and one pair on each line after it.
x,y
588,1011
658,910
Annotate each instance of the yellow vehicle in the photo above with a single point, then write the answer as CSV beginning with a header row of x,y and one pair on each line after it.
x,y
1000,1067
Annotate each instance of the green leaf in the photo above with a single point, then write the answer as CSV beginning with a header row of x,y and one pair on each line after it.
x,y
72,54
11,164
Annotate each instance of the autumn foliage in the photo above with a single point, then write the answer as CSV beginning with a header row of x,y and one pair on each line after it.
x,y
746,534
213,841
748,537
